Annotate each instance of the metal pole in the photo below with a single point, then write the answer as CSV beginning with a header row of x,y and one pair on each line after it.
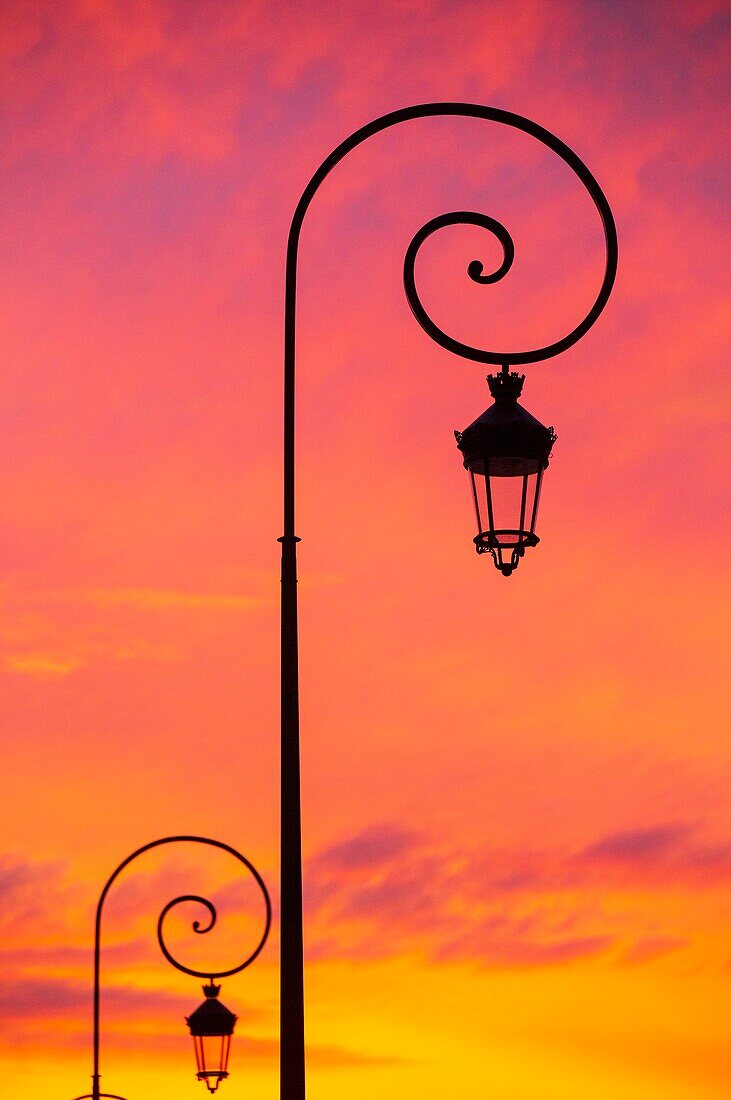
x,y
291,972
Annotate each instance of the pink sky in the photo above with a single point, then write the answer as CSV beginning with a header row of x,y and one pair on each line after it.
x,y
515,792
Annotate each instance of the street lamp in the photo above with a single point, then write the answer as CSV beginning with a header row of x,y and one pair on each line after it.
x,y
511,455
211,1024
506,451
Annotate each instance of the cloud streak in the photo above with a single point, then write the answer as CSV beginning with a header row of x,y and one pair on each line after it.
x,y
386,891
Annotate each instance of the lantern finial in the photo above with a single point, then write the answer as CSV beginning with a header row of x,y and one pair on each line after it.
x,y
506,386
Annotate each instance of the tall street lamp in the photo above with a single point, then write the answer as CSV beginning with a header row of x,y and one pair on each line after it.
x,y
211,1025
505,451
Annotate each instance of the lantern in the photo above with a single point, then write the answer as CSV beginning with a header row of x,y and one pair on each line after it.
x,y
211,1026
506,451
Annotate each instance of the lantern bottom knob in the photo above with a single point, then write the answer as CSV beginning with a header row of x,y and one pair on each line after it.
x,y
505,547
212,1079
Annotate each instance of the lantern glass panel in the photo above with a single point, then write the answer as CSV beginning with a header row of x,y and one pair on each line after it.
x,y
506,504
211,1055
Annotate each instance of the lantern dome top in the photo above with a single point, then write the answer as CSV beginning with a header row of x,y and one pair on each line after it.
x,y
506,430
212,1017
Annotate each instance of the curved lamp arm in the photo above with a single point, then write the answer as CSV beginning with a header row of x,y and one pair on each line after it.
x,y
292,1054
212,916
475,269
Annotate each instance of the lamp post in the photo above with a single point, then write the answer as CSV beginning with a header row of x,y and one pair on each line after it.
x,y
502,447
211,1024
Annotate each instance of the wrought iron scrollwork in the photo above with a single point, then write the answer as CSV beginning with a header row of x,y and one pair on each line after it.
x,y
196,925
475,268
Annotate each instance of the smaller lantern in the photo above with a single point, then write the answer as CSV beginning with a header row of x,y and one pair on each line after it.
x,y
506,451
211,1026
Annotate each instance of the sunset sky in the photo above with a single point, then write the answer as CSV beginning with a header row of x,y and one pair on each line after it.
x,y
515,792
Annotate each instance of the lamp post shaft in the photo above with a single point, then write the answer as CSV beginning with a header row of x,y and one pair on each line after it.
x,y
291,969
291,972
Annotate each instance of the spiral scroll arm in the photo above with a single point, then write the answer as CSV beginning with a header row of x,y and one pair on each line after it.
x,y
212,917
475,269
197,927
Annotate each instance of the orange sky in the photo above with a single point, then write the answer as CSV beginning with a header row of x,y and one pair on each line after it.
x,y
516,819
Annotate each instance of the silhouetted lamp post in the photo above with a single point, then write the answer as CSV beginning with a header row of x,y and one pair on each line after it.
x,y
211,1024
505,450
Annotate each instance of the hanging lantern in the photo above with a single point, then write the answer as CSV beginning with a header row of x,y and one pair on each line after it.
x,y
506,451
211,1026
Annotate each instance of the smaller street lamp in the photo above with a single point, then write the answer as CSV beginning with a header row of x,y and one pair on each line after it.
x,y
506,451
211,1025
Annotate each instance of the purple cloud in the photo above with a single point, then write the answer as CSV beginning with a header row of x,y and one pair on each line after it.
x,y
373,847
33,997
17,875
539,953
640,845
710,859
31,894
387,891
